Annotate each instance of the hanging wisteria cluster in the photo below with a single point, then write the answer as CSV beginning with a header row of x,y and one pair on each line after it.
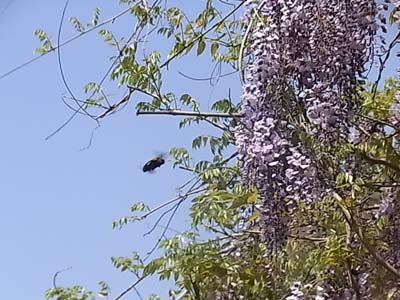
x,y
307,58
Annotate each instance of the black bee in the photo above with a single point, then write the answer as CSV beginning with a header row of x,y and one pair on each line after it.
x,y
153,164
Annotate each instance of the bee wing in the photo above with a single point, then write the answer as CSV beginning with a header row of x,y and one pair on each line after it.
x,y
161,154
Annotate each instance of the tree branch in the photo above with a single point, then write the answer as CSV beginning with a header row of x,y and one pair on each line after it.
x,y
174,112
113,107
376,120
381,161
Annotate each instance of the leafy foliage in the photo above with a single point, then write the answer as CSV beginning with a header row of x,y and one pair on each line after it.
x,y
338,245
45,40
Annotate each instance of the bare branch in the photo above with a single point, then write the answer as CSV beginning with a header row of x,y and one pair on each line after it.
x,y
155,225
62,126
206,78
170,202
175,209
90,140
131,287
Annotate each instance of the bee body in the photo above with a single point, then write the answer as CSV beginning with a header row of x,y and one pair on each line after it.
x,y
153,164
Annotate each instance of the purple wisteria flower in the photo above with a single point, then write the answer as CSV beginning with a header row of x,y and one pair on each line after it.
x,y
395,110
306,53
295,292
396,14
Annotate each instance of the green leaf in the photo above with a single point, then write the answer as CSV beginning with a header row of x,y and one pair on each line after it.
x,y
254,216
252,198
77,24
214,48
140,206
201,46
96,15
238,202
153,266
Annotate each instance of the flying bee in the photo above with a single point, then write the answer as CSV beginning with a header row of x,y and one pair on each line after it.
x,y
153,163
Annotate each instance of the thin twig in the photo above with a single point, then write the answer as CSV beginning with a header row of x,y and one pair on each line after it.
x,y
110,20
165,229
228,159
241,51
62,126
170,202
382,66
215,124
138,293
187,183
56,274
216,165
80,106
159,219
142,91
90,140
131,287
175,209
188,169
205,78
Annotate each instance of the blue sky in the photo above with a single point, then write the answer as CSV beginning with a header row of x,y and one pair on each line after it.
x,y
58,203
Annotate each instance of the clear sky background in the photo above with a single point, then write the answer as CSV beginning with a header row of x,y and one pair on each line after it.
x,y
58,203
